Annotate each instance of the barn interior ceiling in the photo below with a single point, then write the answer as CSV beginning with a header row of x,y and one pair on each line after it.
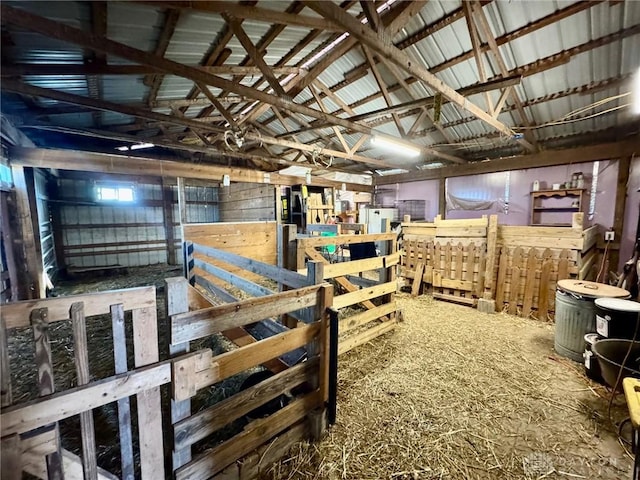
x,y
356,87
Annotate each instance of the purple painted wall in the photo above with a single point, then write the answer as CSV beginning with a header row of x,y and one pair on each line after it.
x,y
491,186
631,213
426,190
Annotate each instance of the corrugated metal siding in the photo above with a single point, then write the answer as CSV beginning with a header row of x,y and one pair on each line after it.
x,y
125,234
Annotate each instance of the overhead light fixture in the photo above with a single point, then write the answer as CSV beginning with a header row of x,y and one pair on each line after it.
x,y
396,146
140,146
123,148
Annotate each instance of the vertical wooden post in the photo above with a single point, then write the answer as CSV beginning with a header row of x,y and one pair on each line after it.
x,y
318,417
80,349
278,203
56,222
177,301
145,346
46,385
487,303
442,197
182,201
167,214
9,248
124,407
624,164
10,461
32,263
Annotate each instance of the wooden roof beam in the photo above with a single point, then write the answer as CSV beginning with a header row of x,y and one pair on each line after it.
x,y
590,153
483,25
155,81
14,70
254,54
105,163
383,88
67,33
246,12
395,55
477,54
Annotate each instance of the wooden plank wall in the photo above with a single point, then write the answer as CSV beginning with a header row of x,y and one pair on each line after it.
x,y
247,202
256,240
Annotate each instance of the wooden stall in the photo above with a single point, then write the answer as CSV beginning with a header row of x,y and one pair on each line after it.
x,y
531,260
448,256
31,438
33,432
516,267
364,286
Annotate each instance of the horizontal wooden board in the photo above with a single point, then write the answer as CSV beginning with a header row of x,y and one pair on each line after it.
x,y
541,241
365,317
200,425
305,243
346,268
17,314
190,326
461,231
53,408
456,299
361,338
359,296
200,369
253,435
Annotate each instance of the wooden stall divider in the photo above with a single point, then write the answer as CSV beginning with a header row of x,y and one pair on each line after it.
x,y
124,407
81,354
46,383
505,273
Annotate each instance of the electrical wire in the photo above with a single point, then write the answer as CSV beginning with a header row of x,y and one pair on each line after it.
x,y
563,122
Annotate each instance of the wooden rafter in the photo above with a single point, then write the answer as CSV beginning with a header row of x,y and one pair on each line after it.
x,y
393,21
214,101
334,13
13,70
477,54
259,14
336,130
66,33
430,29
373,18
254,54
426,102
155,81
383,88
483,26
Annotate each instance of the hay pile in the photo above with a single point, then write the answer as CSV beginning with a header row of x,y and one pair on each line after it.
x,y
457,394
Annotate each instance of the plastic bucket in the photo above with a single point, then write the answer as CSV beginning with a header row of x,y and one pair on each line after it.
x,y
591,365
617,318
611,353
575,317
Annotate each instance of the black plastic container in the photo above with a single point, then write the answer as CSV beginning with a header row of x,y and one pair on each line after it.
x,y
617,318
611,353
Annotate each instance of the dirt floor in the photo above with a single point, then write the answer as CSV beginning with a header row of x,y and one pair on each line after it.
x,y
458,394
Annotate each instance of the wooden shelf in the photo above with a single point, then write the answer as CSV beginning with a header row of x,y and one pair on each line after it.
x,y
540,197
557,209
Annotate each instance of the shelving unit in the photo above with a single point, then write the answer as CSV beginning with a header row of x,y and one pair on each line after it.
x,y
551,201
308,203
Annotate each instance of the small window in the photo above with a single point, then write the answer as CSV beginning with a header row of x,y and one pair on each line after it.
x,y
115,193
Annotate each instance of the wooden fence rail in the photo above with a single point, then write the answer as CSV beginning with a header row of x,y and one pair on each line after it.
x,y
31,428
364,287
516,268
